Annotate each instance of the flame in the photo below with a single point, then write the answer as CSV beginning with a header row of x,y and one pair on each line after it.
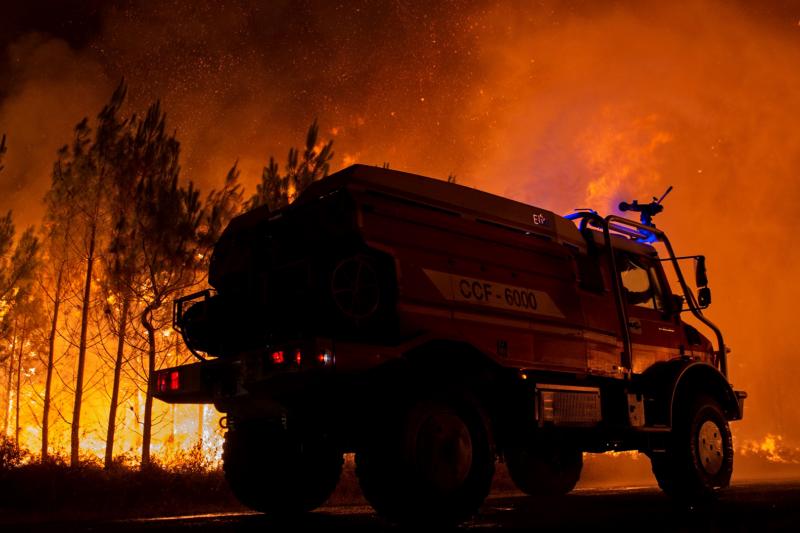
x,y
773,448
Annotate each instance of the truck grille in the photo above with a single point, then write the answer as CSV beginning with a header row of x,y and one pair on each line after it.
x,y
568,406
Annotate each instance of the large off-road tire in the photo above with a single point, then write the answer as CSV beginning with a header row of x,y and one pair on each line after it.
x,y
544,469
272,471
431,463
698,461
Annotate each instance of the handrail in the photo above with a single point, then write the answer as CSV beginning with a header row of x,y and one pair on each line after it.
x,y
613,222
588,217
690,299
177,314
622,310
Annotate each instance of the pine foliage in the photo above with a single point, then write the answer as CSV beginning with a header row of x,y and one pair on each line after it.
x,y
277,189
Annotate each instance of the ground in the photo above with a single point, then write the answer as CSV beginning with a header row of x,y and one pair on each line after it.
x,y
746,506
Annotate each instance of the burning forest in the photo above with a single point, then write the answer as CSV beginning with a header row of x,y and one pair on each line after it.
x,y
88,294
133,132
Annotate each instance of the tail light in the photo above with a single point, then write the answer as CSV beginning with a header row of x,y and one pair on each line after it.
x,y
299,357
169,381
325,358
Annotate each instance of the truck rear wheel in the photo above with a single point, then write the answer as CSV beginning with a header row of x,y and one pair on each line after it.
x,y
272,471
544,470
699,457
432,463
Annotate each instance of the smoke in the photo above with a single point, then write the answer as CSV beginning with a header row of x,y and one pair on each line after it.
x,y
621,103
564,104
53,88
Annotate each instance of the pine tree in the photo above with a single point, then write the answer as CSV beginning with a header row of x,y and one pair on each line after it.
x,y
315,163
171,232
8,359
16,314
27,312
16,262
277,190
81,188
17,265
119,264
54,279
77,186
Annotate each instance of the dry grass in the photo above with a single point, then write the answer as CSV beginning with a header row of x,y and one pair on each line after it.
x,y
35,490
185,483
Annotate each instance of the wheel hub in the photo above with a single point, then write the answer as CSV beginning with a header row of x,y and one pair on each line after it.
x,y
709,446
444,451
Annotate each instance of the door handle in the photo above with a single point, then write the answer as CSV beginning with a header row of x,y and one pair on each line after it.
x,y
635,325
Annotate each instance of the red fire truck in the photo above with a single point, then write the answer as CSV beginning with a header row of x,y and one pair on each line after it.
x,y
431,328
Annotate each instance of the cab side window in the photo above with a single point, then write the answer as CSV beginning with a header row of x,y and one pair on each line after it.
x,y
590,277
640,283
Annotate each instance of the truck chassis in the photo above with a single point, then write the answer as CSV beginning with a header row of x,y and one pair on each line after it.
x,y
430,329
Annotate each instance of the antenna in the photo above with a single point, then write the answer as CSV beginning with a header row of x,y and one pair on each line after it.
x,y
646,211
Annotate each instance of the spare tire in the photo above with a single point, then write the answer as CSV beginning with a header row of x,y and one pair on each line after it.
x,y
360,291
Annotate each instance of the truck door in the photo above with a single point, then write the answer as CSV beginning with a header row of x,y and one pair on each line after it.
x,y
602,335
654,334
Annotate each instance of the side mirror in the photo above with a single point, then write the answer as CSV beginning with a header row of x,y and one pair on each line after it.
x,y
704,297
700,275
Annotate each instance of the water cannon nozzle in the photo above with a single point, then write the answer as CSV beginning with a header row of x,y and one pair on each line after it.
x,y
646,211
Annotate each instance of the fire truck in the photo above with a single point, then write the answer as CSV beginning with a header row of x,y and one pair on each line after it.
x,y
430,329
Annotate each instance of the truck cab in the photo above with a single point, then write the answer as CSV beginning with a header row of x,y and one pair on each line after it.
x,y
430,328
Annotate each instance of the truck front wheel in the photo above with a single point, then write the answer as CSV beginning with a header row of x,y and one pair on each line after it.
x,y
544,470
698,460
431,463
272,471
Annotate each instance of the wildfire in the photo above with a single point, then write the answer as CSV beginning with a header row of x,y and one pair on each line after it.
x,y
590,118
773,448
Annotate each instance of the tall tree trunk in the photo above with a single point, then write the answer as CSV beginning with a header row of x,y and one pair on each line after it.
x,y
112,411
19,384
9,381
173,407
75,437
51,348
200,412
148,401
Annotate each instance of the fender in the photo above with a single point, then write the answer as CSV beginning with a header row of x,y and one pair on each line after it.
x,y
665,384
